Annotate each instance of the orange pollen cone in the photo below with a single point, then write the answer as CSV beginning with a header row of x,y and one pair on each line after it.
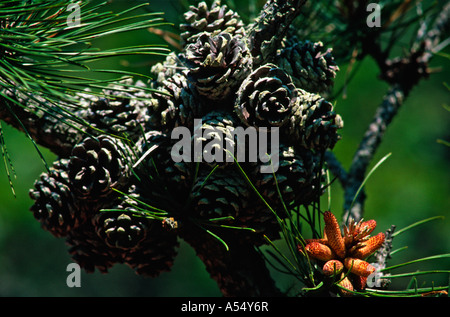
x,y
332,267
345,282
319,251
359,267
367,227
359,282
334,236
323,241
370,246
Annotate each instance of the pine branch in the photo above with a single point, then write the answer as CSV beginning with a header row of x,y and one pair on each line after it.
x,y
383,254
45,60
50,129
403,74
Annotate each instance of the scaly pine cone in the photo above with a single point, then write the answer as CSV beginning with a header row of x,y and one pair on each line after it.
x,y
266,97
144,243
156,253
215,137
313,124
311,69
266,34
177,104
217,64
95,167
163,178
298,179
122,230
120,112
165,70
214,20
54,205
222,193
90,251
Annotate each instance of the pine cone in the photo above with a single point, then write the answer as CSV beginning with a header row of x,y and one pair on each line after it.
x,y
221,193
261,219
314,124
165,70
215,136
218,64
54,205
96,166
142,242
215,20
156,253
311,69
266,97
177,104
90,251
164,179
120,112
122,230
297,179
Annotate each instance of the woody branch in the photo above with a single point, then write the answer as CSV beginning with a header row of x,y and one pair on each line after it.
x,y
402,74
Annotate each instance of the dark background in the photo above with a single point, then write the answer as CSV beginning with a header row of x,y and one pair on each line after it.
x,y
412,185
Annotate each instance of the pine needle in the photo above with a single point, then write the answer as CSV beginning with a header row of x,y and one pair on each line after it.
x,y
368,176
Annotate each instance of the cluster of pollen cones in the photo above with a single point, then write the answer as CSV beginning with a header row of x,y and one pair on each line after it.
x,y
343,255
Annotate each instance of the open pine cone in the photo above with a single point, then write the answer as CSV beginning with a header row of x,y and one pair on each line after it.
x,y
96,167
217,64
214,20
266,97
121,229
176,104
54,205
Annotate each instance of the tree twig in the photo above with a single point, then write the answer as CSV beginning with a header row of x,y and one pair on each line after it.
x,y
402,75
48,130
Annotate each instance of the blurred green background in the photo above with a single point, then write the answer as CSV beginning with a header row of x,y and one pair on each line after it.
x,y
413,184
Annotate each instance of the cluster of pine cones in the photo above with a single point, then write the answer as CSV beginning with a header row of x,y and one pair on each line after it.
x,y
218,78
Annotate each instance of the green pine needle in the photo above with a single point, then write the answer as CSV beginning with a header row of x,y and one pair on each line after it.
x,y
415,224
429,258
38,49
9,167
368,176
